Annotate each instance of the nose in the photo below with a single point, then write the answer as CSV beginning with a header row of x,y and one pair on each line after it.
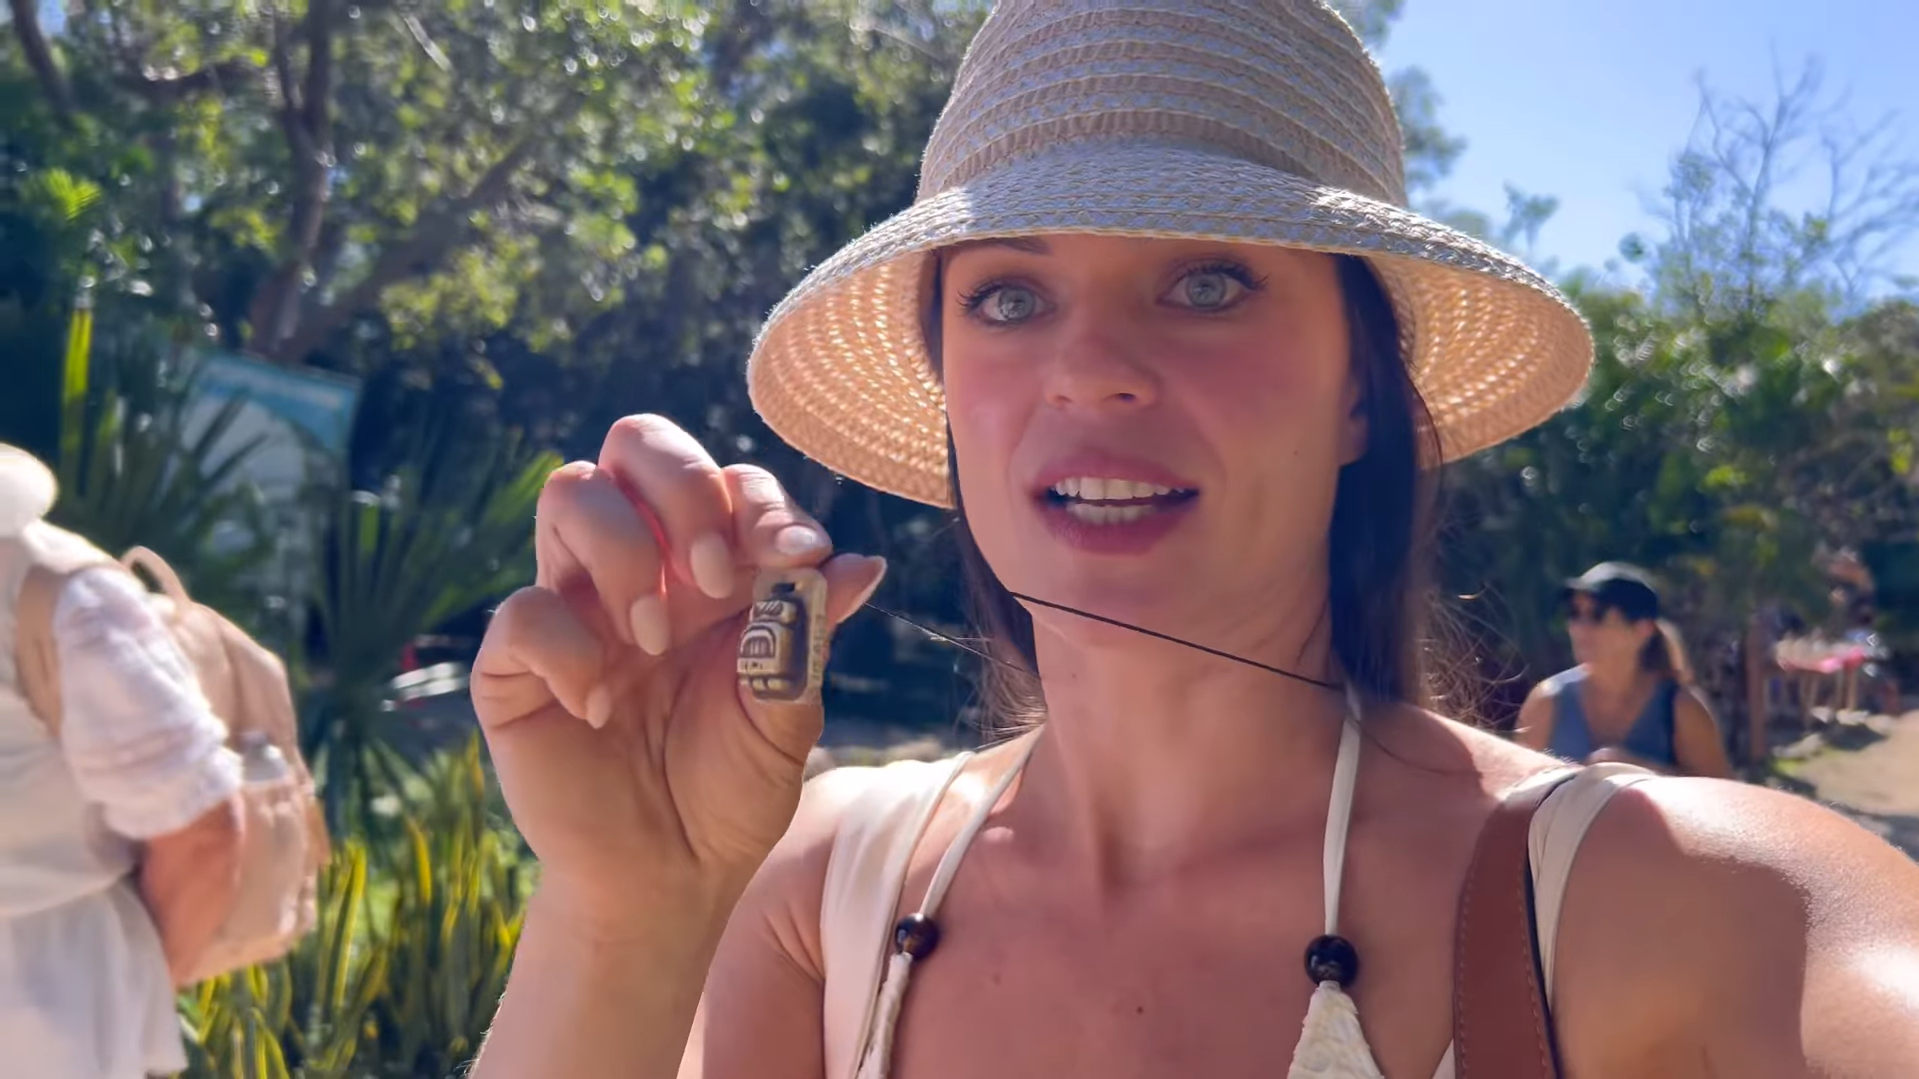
x,y
1093,367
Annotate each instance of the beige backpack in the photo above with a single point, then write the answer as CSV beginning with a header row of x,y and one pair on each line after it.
x,y
285,840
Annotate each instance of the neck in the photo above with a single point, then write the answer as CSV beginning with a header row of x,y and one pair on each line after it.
x,y
1615,681
1156,755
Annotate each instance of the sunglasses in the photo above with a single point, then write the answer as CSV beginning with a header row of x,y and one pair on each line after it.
x,y
1593,615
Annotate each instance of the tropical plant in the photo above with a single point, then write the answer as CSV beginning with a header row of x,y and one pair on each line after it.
x,y
409,960
138,467
450,529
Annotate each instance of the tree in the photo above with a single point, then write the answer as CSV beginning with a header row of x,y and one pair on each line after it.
x,y
1747,414
304,164
1735,249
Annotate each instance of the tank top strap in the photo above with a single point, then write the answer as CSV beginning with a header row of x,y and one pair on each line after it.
x,y
1339,811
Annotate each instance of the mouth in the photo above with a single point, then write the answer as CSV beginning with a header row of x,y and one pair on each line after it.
x,y
1104,501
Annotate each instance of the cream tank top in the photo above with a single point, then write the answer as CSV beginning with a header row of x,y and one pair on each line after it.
x,y
867,975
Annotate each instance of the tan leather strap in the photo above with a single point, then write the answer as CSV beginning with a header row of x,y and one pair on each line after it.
x,y
35,655
1502,1027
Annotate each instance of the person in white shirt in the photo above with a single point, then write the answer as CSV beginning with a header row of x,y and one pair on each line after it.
x,y
123,831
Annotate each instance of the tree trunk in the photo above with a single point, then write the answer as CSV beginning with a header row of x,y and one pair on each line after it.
x,y
33,42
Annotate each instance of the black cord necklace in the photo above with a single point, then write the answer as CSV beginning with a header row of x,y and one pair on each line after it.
x,y
965,647
1329,958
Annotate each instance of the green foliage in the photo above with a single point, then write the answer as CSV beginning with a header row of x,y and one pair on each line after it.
x,y
408,962
134,470
451,529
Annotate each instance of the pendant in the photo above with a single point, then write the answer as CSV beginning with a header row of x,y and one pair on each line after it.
x,y
782,654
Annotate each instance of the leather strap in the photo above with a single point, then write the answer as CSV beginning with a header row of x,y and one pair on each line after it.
x,y
1502,1026
36,655
36,659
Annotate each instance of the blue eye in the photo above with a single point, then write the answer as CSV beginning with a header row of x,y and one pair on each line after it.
x,y
1003,304
1210,289
1213,287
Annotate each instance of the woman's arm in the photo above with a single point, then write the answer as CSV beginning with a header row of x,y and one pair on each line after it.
x,y
1696,743
1717,929
189,880
637,1000
1534,729
145,748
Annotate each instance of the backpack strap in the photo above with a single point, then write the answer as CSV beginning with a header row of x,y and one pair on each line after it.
x,y
36,655
1502,1026
1508,925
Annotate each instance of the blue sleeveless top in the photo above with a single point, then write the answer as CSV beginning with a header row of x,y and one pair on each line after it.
x,y
1650,736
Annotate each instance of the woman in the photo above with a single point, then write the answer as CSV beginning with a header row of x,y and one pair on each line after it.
x,y
121,833
1629,700
1124,333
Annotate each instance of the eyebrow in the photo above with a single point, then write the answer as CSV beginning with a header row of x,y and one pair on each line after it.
x,y
1031,245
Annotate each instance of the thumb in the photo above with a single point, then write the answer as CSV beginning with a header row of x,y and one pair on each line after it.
x,y
792,721
851,580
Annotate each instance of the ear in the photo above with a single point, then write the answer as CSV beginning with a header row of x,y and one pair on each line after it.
x,y
1355,429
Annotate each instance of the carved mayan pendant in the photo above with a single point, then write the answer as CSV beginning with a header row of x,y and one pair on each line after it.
x,y
783,650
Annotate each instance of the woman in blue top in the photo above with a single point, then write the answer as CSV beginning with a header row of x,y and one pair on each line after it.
x,y
1627,699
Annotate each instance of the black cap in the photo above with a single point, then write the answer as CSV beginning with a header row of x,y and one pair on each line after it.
x,y
1625,588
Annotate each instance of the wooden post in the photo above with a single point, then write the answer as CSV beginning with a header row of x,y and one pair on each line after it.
x,y
1758,708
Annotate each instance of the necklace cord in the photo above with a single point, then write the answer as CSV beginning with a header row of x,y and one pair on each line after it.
x,y
965,647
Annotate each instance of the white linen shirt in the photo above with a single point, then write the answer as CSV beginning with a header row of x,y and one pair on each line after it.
x,y
84,988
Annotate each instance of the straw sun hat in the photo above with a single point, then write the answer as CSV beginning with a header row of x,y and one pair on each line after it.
x,y
1249,121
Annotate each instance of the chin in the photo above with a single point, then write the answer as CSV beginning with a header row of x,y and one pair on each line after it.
x,y
1159,601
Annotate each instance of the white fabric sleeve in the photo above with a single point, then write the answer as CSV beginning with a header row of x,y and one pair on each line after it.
x,y
134,726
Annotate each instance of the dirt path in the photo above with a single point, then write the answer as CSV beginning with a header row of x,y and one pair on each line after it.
x,y
1876,783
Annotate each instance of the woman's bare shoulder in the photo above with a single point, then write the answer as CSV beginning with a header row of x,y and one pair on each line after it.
x,y
1443,744
1740,924
784,901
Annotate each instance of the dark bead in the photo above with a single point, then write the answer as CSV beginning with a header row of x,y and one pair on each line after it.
x,y
1332,959
916,936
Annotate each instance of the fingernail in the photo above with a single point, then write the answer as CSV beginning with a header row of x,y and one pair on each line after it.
x,y
599,707
651,630
712,565
797,540
867,592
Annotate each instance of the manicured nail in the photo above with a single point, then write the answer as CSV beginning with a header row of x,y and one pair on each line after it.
x,y
796,540
599,707
712,565
867,592
651,630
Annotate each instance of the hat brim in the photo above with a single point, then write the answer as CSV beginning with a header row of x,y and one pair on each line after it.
x,y
841,372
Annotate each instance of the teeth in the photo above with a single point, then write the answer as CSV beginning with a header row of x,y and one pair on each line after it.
x,y
1096,514
1097,489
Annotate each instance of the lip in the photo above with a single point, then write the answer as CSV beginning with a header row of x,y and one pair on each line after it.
x,y
1105,465
1128,538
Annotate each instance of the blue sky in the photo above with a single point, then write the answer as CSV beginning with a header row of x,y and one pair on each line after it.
x,y
1588,100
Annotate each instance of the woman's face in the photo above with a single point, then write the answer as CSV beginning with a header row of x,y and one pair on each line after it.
x,y
1601,635
1151,429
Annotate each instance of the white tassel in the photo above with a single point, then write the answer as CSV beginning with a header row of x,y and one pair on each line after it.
x,y
879,1051
1331,1044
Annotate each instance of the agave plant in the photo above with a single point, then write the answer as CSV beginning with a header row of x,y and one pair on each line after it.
x,y
451,529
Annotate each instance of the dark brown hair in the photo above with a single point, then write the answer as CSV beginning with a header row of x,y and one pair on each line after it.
x,y
1380,531
1664,655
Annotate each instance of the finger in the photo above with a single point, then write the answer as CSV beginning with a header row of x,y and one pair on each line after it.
x,y
536,651
772,529
851,580
679,483
590,536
